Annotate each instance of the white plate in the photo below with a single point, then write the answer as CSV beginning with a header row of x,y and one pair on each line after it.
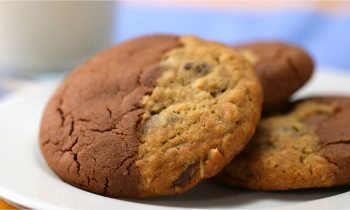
x,y
26,180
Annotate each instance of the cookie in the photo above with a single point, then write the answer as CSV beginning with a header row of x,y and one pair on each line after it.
x,y
282,68
151,116
305,147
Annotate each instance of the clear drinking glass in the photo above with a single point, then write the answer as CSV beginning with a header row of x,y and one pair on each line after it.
x,y
51,35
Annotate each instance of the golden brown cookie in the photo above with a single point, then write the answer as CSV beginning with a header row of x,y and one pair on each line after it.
x,y
306,147
282,68
151,116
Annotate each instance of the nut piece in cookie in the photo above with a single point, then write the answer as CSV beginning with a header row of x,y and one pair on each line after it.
x,y
152,116
306,147
282,68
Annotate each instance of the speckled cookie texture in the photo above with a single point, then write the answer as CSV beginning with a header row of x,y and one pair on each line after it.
x,y
305,147
152,116
282,68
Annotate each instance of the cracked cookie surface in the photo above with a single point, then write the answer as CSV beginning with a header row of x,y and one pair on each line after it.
x,y
306,147
282,69
152,116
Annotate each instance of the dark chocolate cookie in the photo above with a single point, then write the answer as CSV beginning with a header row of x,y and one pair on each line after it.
x,y
306,147
152,116
282,68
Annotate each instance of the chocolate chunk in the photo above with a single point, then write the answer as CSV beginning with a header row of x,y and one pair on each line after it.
x,y
185,176
198,68
202,68
188,66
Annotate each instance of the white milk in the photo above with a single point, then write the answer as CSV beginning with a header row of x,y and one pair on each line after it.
x,y
49,36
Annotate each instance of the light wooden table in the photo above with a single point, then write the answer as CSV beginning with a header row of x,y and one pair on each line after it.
x,y
4,205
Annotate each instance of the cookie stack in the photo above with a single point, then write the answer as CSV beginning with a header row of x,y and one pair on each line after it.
x,y
157,115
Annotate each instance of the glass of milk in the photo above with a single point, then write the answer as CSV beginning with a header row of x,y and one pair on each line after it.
x,y
50,35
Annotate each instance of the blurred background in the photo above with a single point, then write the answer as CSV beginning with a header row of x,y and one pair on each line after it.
x,y
322,27
38,38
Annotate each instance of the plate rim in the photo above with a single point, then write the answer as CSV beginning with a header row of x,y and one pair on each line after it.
x,y
20,94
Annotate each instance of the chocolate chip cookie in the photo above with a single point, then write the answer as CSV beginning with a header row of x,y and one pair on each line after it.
x,y
282,68
151,116
305,147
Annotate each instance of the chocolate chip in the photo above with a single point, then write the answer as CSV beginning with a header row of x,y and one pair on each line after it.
x,y
188,66
214,93
185,177
198,68
202,68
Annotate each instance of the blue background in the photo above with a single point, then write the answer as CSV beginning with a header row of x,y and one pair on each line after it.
x,y
326,37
